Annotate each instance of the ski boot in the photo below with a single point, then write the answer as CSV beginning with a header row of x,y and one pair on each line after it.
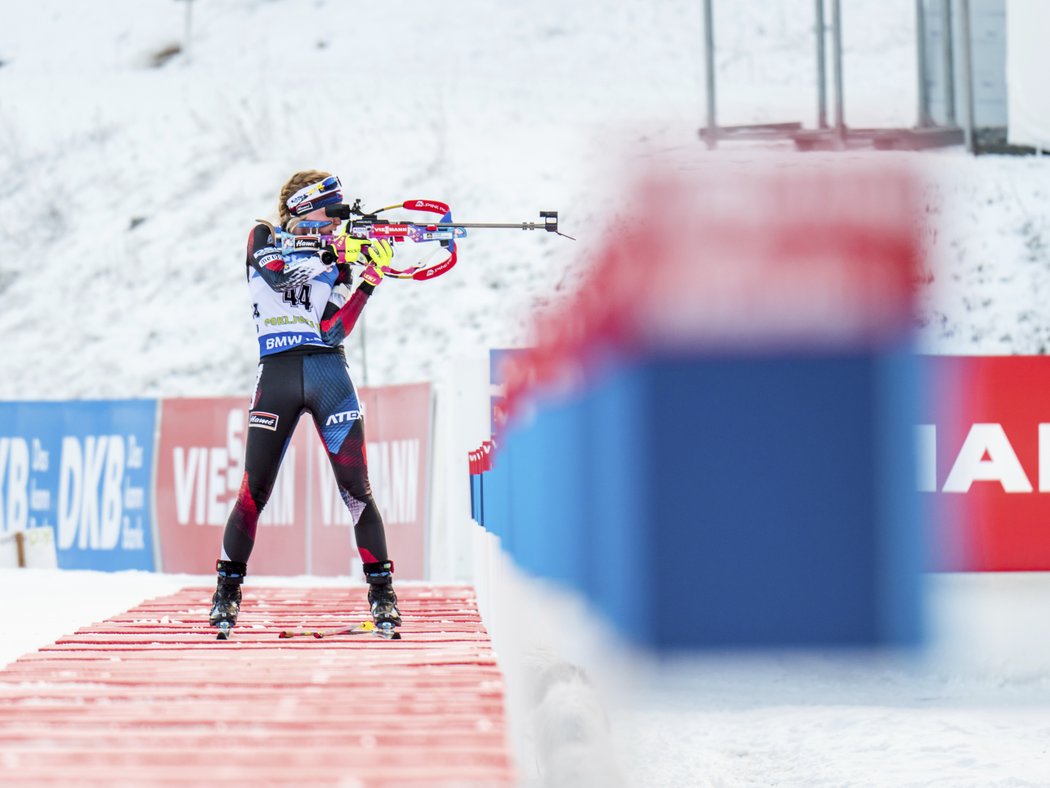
x,y
381,596
226,602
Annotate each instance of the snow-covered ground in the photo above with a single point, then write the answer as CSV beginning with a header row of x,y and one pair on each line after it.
x,y
127,189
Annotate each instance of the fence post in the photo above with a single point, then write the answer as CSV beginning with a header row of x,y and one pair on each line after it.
x,y
709,67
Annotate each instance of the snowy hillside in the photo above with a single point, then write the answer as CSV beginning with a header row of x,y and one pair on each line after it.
x,y
129,179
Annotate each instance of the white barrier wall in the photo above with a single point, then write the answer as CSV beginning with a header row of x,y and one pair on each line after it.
x,y
1027,64
461,422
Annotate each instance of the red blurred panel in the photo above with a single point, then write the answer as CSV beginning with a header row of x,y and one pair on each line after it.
x,y
769,253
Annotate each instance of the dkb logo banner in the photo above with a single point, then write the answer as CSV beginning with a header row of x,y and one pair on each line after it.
x,y
83,468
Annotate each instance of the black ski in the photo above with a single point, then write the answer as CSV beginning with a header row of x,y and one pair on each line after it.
x,y
225,629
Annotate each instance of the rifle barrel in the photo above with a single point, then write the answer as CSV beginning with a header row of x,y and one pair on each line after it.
x,y
490,225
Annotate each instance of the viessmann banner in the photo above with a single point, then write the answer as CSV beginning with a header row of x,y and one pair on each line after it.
x,y
305,527
397,444
200,464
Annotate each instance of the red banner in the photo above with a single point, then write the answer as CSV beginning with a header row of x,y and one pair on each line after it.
x,y
397,443
200,463
984,461
305,528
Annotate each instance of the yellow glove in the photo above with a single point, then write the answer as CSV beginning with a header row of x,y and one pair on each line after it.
x,y
380,252
346,248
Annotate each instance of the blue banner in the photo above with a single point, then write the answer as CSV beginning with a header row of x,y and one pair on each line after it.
x,y
85,469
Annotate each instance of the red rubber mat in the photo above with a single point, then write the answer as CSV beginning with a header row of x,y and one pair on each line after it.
x,y
150,697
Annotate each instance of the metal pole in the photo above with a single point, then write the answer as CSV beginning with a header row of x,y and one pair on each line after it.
x,y
948,55
189,26
967,75
920,49
822,87
709,63
836,57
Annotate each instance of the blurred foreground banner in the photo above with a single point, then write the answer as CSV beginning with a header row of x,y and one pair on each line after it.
x,y
85,469
712,439
305,528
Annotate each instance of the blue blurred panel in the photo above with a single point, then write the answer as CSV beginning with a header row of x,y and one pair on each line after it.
x,y
497,500
726,501
526,449
760,502
549,492
88,472
475,498
623,564
904,518
753,503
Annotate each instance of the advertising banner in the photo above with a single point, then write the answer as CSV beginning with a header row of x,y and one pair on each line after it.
x,y
305,528
84,468
200,465
397,444
984,461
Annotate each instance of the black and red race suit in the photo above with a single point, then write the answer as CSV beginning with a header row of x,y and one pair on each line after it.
x,y
301,321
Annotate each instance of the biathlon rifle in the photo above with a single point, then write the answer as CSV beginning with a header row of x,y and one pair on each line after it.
x,y
367,226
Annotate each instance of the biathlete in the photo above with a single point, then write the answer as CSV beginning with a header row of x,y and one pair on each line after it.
x,y
302,320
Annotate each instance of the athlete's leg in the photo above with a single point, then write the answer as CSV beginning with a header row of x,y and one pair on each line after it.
x,y
274,411
332,400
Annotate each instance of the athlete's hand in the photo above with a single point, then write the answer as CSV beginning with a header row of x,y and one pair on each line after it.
x,y
380,252
346,248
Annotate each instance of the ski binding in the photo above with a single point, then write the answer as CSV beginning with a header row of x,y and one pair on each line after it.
x,y
386,631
